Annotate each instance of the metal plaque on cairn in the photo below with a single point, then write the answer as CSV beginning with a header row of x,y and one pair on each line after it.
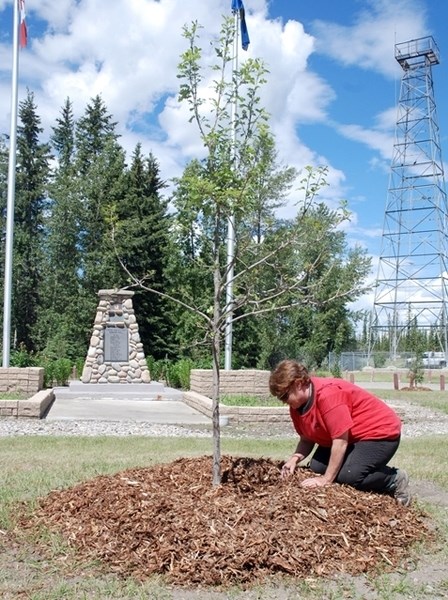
x,y
116,346
115,353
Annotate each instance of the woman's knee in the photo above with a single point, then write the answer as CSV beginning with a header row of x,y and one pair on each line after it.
x,y
350,476
318,467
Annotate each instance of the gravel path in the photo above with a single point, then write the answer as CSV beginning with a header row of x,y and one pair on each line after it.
x,y
19,427
417,421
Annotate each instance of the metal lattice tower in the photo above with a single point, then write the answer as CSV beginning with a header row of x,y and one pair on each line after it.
x,y
412,273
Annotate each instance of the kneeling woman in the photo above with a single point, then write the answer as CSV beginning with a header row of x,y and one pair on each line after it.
x,y
357,433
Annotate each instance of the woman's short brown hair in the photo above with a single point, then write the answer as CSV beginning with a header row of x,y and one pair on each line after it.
x,y
284,375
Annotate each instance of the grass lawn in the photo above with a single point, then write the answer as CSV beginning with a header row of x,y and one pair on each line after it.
x,y
435,400
31,466
14,395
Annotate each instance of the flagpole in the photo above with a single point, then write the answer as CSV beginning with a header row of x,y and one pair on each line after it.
x,y
11,192
231,219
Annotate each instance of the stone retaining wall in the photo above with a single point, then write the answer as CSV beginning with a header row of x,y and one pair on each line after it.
x,y
238,414
250,382
17,379
34,407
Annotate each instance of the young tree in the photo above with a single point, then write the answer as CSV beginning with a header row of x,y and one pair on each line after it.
x,y
218,191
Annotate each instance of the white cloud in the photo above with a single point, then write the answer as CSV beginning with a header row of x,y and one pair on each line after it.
x,y
377,140
131,58
128,51
369,42
293,91
387,119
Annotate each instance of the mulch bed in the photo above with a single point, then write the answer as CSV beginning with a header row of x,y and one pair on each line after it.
x,y
169,519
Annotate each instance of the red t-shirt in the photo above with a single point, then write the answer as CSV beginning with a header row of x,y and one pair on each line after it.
x,y
339,406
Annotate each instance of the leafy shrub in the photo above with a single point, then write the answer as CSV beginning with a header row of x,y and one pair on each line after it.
x,y
22,358
157,368
175,373
56,371
62,370
379,359
336,368
48,373
181,373
79,366
203,363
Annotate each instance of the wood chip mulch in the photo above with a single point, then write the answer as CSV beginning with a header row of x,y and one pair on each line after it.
x,y
169,519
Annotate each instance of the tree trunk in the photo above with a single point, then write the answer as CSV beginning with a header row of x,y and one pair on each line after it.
x,y
216,356
215,416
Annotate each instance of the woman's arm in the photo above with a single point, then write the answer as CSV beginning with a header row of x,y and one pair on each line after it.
x,y
303,449
338,450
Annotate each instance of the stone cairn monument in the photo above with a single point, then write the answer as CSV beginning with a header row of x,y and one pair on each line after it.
x,y
116,353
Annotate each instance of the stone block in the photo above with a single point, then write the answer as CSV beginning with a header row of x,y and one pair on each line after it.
x,y
237,414
8,408
36,406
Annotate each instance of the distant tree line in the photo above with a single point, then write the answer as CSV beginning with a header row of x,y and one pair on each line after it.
x,y
86,217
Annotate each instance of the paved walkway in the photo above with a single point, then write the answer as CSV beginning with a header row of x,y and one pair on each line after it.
x,y
154,404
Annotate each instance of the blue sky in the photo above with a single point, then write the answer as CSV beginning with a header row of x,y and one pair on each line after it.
x,y
332,91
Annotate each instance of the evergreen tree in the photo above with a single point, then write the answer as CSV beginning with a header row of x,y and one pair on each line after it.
x,y
101,172
30,203
61,331
63,138
93,130
102,190
143,243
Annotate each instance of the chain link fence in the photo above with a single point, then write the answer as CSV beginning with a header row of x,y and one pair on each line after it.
x,y
357,361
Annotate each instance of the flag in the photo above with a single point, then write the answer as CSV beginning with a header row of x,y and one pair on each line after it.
x,y
23,33
237,5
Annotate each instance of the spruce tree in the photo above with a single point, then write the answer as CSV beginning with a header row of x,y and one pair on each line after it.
x,y
143,241
93,130
61,331
63,138
100,170
33,172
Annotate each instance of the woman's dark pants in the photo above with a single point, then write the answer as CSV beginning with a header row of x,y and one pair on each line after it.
x,y
365,465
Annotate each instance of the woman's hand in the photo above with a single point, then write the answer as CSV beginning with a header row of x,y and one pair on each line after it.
x,y
290,466
315,482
